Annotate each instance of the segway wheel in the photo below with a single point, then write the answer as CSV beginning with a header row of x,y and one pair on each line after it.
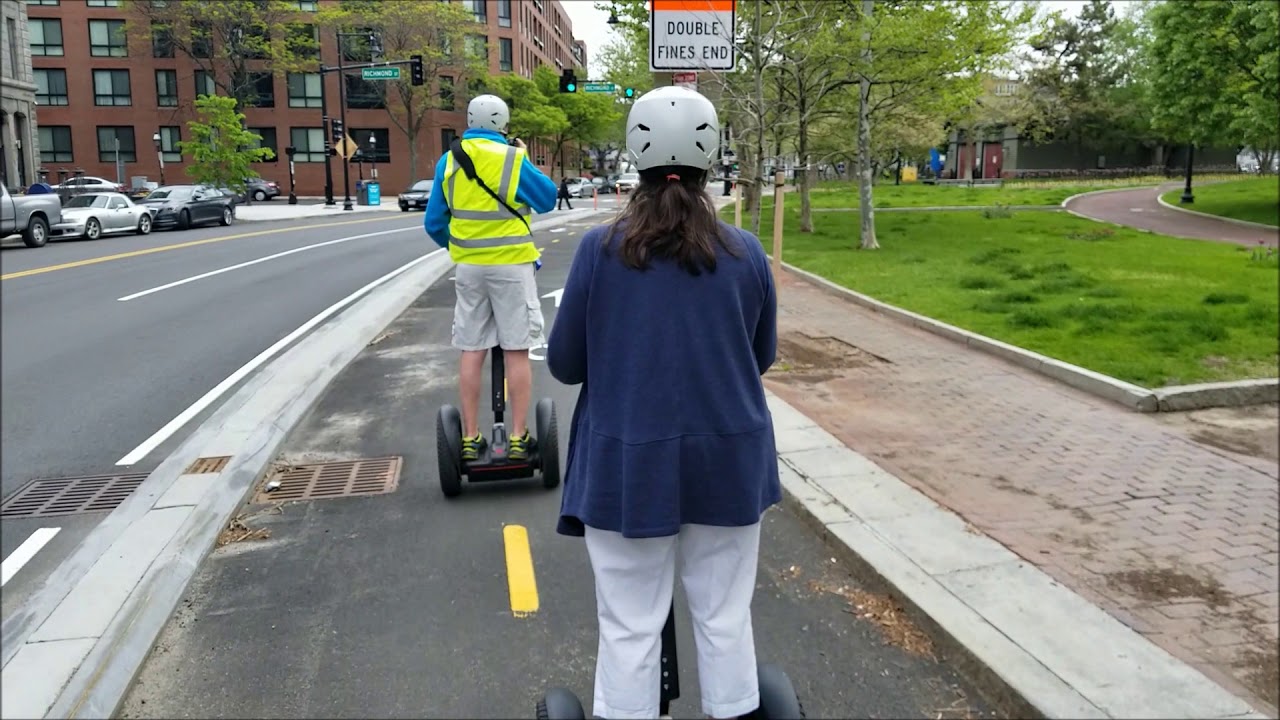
x,y
548,443
449,450
778,699
560,704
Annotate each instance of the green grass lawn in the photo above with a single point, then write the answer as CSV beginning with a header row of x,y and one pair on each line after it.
x,y
1256,199
1145,308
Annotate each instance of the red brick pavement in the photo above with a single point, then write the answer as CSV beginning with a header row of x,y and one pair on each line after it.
x,y
1173,537
1139,208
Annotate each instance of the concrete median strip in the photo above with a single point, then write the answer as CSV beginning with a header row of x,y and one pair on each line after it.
x,y
1037,648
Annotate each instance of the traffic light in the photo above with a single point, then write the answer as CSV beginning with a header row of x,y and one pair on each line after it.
x,y
629,93
336,129
415,69
568,82
291,151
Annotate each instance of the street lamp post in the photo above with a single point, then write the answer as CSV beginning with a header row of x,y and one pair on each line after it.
x,y
342,111
373,157
1187,196
159,154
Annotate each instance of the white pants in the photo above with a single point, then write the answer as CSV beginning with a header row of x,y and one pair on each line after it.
x,y
635,579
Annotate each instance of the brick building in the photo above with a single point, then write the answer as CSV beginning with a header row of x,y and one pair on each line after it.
x,y
95,86
19,151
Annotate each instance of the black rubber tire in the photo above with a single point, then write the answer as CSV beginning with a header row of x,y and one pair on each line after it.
x,y
93,229
144,225
184,220
560,704
227,216
37,232
449,450
259,196
548,437
778,699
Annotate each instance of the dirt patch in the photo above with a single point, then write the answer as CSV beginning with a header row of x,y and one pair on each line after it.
x,y
1260,672
1253,430
1164,584
238,530
1002,483
812,360
884,612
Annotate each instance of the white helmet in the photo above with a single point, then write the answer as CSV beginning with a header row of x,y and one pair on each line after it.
x,y
672,126
488,112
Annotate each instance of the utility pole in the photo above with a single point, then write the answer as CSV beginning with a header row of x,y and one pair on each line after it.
x,y
342,110
328,146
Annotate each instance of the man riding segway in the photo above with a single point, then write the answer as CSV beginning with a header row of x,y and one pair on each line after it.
x,y
483,192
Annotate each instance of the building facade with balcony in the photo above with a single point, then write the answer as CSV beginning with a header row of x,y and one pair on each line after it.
x,y
19,146
95,87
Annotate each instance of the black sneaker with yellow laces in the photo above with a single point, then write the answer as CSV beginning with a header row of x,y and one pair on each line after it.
x,y
518,449
472,447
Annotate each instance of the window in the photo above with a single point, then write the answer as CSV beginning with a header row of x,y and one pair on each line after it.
x,y
108,135
12,29
379,151
257,42
104,3
479,9
267,139
355,48
167,88
447,136
106,38
170,136
307,6
161,41
201,40
111,88
505,59
308,143
51,86
478,47
365,94
302,40
205,84
504,13
55,143
446,93
304,89
46,37
42,2
264,90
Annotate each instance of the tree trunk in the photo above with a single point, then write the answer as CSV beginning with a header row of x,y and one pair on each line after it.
x,y
757,184
802,171
864,135
412,137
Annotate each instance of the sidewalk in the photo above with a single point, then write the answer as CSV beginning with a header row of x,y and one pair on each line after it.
x,y
280,209
1140,208
1151,520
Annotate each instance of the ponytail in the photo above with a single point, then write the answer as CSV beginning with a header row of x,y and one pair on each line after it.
x,y
670,217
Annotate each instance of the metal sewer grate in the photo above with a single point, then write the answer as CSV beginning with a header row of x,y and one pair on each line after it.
x,y
71,496
320,481
208,465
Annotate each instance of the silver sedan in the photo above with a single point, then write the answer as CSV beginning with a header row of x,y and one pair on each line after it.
x,y
93,215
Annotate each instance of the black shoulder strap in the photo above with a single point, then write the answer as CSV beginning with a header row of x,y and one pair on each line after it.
x,y
463,161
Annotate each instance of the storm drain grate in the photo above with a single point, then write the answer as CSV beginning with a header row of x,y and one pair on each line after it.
x,y
319,481
71,496
208,465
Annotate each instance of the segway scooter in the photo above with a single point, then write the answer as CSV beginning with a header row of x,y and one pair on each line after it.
x,y
778,699
494,462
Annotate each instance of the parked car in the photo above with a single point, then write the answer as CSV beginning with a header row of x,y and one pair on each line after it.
x,y
416,196
29,216
261,190
184,206
580,186
606,185
93,215
89,183
627,181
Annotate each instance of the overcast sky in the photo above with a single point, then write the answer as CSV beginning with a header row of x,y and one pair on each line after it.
x,y
592,25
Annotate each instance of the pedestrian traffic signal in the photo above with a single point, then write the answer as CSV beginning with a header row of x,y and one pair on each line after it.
x,y
629,93
568,82
415,69
336,130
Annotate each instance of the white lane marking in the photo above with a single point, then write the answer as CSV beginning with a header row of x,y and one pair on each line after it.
x,y
185,416
237,266
557,230
535,355
25,552
557,294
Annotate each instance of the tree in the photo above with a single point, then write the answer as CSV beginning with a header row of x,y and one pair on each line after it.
x,y
533,117
230,40
590,116
438,31
222,151
625,60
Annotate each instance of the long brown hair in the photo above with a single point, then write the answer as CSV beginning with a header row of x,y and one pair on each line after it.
x,y
670,216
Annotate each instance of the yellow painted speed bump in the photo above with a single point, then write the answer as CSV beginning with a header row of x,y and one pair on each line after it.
x,y
520,581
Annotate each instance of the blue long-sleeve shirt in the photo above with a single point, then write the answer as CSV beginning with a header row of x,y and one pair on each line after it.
x,y
535,190
671,425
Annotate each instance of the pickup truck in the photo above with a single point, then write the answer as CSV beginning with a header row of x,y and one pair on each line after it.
x,y
29,216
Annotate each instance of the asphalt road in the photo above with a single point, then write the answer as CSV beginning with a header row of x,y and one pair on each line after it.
x,y
398,605
89,380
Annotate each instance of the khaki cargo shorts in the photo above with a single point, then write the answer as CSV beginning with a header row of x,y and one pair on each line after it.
x,y
497,305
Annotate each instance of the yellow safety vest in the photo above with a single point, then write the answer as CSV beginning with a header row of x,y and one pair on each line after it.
x,y
481,231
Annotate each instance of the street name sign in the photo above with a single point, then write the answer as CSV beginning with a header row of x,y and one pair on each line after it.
x,y
599,87
380,73
691,35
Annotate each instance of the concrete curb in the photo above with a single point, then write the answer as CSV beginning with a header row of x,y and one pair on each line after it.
x,y
1035,648
75,648
951,208
1133,397
1246,223
1082,216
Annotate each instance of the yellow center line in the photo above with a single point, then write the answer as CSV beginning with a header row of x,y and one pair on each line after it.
x,y
164,248
520,581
